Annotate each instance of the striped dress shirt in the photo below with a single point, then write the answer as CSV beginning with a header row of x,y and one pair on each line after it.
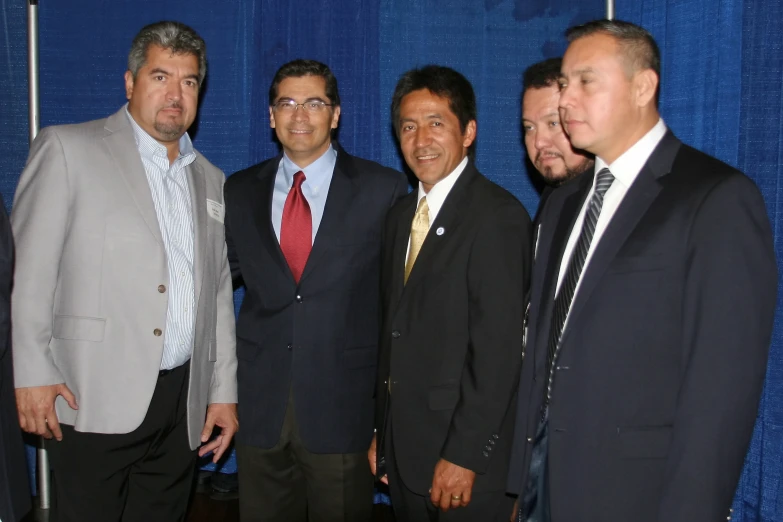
x,y
171,196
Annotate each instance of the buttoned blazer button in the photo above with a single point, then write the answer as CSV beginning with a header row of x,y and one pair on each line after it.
x,y
299,299
161,288
396,334
530,440
289,346
485,453
157,332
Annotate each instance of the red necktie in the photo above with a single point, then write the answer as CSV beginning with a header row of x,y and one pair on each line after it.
x,y
296,230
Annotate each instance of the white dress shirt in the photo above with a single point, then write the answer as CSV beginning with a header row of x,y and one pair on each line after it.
x,y
171,196
437,195
625,170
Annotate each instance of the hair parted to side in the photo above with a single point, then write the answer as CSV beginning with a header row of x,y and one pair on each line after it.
x,y
636,43
175,36
542,74
299,68
441,81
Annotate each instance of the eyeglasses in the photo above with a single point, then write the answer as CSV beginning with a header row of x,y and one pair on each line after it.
x,y
311,106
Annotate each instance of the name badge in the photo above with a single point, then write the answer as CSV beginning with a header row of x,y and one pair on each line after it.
x,y
216,210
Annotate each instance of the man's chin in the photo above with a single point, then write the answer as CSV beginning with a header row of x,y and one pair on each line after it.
x,y
170,132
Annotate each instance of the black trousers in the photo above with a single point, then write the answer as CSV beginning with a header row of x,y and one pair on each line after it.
x,y
287,483
142,476
490,506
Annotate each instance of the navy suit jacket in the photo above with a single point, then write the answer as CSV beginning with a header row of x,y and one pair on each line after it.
x,y
14,485
318,338
664,354
451,340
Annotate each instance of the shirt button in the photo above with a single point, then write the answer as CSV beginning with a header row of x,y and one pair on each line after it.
x,y
161,288
157,332
299,299
396,334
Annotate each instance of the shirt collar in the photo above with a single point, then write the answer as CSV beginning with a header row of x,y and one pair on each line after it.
x,y
149,147
627,167
437,194
316,174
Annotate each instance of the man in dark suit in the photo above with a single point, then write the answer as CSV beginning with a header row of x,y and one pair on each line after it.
x,y
304,235
14,484
455,269
653,295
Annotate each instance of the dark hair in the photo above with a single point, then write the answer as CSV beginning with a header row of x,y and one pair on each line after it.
x,y
542,74
299,68
636,43
175,36
440,81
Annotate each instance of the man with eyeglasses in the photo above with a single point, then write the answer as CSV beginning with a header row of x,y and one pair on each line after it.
x,y
304,237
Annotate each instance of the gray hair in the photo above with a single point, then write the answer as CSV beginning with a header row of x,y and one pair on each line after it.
x,y
175,36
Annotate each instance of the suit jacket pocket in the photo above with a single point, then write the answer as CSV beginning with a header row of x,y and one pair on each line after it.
x,y
644,442
362,357
76,328
443,398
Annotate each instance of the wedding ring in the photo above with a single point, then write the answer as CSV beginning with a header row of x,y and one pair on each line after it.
x,y
456,497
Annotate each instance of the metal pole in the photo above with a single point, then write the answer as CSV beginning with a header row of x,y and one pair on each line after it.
x,y
610,9
35,125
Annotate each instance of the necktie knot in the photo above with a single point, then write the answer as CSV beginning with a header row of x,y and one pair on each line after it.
x,y
299,178
603,181
423,209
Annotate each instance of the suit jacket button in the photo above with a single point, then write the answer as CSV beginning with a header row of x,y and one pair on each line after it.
x,y
396,334
530,440
486,454
157,332
495,436
161,288
299,298
487,448
289,346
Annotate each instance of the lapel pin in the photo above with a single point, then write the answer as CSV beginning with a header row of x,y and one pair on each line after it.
x,y
440,231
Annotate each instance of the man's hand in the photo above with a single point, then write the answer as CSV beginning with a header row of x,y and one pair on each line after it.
x,y
223,416
451,485
514,512
372,456
36,409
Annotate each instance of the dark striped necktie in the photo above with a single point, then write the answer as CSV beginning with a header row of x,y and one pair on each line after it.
x,y
565,296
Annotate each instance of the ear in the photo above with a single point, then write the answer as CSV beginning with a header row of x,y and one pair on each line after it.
x,y
470,134
128,85
336,117
271,117
645,85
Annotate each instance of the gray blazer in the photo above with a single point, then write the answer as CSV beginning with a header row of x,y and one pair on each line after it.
x,y
87,298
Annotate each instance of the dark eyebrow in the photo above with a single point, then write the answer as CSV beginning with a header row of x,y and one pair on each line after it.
x,y
158,70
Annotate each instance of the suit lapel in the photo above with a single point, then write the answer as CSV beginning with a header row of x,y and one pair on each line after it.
x,y
448,218
122,146
262,205
634,205
198,196
554,237
341,192
400,248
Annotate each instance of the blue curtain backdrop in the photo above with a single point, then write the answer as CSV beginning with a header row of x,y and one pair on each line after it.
x,y
722,90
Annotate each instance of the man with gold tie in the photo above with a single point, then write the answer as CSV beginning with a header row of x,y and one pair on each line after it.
x,y
455,266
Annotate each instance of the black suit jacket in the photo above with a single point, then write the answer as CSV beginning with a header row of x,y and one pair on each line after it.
x,y
664,354
319,337
452,336
14,485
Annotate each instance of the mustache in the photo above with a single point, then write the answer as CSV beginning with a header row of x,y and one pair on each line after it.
x,y
172,105
551,154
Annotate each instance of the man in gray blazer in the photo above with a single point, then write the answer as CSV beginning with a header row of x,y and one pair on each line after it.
x,y
123,321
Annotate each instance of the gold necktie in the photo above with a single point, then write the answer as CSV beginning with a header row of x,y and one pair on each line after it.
x,y
419,229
